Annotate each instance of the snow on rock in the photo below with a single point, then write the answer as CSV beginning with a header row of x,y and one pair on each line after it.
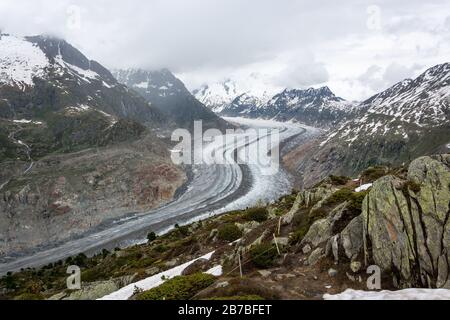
x,y
216,271
219,95
407,294
20,61
154,281
25,121
364,187
85,75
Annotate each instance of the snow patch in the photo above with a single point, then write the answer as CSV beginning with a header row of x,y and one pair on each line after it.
x,y
364,187
407,294
154,281
20,61
216,271
24,121
142,85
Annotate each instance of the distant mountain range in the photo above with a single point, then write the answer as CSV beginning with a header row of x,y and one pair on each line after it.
x,y
315,107
169,95
220,95
408,120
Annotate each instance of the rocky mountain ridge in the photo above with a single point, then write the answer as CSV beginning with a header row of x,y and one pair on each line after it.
x,y
43,74
170,96
408,120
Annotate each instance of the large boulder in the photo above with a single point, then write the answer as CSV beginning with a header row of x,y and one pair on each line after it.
x,y
406,225
308,198
351,238
321,231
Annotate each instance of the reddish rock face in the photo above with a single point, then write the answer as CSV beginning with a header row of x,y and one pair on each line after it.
x,y
66,195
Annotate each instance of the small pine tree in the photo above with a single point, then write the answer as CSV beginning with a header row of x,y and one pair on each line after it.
x,y
151,237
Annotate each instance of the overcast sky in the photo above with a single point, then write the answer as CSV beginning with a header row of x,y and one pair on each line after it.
x,y
357,48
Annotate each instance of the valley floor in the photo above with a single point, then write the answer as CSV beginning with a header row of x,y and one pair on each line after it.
x,y
213,189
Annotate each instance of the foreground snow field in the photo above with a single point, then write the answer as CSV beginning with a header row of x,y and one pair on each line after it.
x,y
407,294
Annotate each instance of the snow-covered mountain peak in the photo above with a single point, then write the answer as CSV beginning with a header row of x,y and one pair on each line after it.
x,y
307,98
412,112
20,61
217,95
423,101
160,83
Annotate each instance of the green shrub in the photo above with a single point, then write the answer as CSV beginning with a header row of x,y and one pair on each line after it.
x,y
29,297
80,260
229,232
263,255
339,180
160,248
299,234
181,231
94,274
179,288
339,196
373,173
151,237
9,281
317,214
356,201
256,214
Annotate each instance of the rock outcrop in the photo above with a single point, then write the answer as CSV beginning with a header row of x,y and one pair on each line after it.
x,y
406,224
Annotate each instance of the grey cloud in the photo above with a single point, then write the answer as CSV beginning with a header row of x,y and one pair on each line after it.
x,y
195,37
378,78
302,75
396,72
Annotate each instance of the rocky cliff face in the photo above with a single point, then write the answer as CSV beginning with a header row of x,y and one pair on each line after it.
x,y
66,195
406,223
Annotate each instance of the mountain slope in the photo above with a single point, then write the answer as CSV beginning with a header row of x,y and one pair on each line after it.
x,y
315,107
77,148
408,120
43,74
242,106
169,95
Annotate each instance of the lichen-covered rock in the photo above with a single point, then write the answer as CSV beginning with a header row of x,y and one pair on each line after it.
x,y
94,291
322,230
307,198
406,224
316,256
351,238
